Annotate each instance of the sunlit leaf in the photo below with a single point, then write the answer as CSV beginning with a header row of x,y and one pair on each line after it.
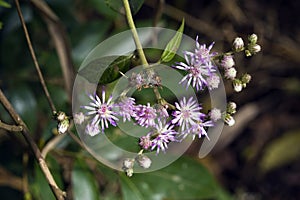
x,y
173,45
183,179
4,4
83,182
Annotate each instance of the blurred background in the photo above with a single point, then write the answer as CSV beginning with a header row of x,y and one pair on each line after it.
x,y
258,158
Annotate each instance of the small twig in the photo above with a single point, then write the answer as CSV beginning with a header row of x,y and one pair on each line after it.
x,y
12,128
52,144
36,64
59,194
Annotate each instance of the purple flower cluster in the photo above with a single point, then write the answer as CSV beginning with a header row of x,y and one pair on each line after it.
x,y
200,67
185,120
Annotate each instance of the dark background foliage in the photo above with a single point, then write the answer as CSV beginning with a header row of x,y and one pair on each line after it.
x,y
256,159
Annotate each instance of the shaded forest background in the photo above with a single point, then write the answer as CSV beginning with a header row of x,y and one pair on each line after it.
x,y
256,159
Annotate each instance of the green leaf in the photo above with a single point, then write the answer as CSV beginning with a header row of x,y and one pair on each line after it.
x,y
83,182
183,179
113,71
97,68
281,151
173,45
117,5
4,4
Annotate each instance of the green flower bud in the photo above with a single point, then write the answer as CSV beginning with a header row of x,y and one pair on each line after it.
x,y
231,108
253,38
63,126
229,120
237,85
246,78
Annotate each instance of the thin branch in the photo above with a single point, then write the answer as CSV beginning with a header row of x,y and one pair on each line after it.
x,y
12,128
59,194
134,32
36,64
52,144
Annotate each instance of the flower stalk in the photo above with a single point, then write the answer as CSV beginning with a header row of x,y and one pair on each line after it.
x,y
134,33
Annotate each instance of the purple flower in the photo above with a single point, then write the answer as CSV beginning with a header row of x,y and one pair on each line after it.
x,y
187,113
137,80
164,134
203,54
198,71
162,111
198,129
101,110
199,65
145,115
145,142
92,129
126,108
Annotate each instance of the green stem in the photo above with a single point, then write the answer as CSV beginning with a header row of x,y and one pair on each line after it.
x,y
134,33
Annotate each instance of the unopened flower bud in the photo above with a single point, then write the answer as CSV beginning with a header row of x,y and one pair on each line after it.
x,y
231,107
63,126
238,44
60,116
129,172
227,62
230,73
237,85
252,49
229,120
246,78
252,38
256,48
143,161
128,163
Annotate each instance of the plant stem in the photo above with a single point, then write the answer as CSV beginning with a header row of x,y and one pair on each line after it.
x,y
12,128
59,194
134,33
36,64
